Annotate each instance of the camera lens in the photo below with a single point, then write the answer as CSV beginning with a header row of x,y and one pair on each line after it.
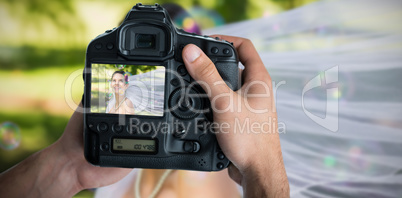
x,y
145,41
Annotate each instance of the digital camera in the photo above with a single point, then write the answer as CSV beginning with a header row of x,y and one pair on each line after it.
x,y
141,107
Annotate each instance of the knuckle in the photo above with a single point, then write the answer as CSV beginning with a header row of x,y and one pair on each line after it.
x,y
247,41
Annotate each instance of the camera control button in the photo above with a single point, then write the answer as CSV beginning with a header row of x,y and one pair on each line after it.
x,y
226,51
108,31
102,127
98,46
196,147
188,146
214,50
191,147
117,128
105,146
220,166
221,156
109,46
182,70
179,130
183,106
179,133
175,82
91,125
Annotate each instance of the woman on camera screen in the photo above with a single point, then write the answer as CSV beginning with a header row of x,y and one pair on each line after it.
x,y
141,93
120,104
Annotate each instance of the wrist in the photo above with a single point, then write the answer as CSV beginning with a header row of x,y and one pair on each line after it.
x,y
57,173
266,175
47,173
265,183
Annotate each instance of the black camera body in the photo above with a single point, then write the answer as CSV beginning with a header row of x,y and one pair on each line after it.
x,y
177,133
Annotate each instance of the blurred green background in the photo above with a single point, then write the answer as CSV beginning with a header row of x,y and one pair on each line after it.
x,y
42,47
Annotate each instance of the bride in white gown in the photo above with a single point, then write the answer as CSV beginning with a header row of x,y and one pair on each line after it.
x,y
337,67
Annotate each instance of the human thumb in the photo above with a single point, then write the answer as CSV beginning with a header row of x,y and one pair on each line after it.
x,y
203,70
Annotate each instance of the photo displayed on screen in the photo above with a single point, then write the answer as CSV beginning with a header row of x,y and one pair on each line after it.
x,y
127,89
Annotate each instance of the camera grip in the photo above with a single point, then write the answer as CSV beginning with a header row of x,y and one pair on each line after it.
x,y
229,72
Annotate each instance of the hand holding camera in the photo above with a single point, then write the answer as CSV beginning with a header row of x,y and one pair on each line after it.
x,y
253,151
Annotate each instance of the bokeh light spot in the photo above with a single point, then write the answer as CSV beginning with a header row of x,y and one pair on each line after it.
x,y
355,151
188,23
336,94
109,96
127,73
276,27
206,18
329,161
120,66
10,136
266,14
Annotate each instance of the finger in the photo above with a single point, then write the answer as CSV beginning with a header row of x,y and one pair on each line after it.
x,y
249,57
203,70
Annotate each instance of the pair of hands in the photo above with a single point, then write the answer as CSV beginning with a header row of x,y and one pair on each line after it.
x,y
249,139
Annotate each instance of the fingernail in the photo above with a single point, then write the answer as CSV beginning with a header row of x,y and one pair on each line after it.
x,y
192,52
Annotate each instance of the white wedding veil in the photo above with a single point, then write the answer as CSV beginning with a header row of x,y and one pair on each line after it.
x,y
344,139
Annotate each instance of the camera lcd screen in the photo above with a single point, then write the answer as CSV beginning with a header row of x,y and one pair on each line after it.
x,y
127,89
135,145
